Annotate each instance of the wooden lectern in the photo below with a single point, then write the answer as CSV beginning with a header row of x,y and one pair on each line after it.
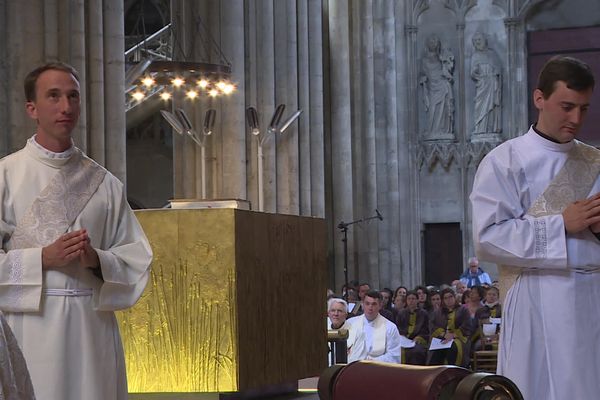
x,y
236,301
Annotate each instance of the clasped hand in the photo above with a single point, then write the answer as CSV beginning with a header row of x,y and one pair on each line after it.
x,y
583,214
69,247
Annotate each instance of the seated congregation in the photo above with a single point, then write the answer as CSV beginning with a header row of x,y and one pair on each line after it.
x,y
423,326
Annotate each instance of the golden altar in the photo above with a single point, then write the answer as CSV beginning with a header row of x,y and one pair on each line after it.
x,y
236,301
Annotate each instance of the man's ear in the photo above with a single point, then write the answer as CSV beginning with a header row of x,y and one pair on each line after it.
x,y
31,109
538,99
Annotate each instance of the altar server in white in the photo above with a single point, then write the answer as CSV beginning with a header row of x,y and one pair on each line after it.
x,y
536,213
372,336
72,251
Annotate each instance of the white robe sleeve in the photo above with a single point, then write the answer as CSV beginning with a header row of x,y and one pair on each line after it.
x,y
125,257
503,232
20,273
20,280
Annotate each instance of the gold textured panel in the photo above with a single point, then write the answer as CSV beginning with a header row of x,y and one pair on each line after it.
x,y
236,301
181,335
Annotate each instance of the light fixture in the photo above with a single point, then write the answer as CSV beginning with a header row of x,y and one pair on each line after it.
x,y
173,121
148,81
289,121
209,121
274,127
252,118
138,95
183,126
191,94
154,66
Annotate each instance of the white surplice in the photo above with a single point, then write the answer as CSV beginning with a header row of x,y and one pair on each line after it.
x,y
71,343
377,340
551,319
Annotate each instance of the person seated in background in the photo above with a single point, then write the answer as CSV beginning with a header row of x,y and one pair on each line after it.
x,y
399,299
460,288
413,323
451,323
351,296
423,297
475,276
474,306
464,298
337,312
435,300
399,303
474,301
373,337
491,309
491,306
386,305
363,288
386,295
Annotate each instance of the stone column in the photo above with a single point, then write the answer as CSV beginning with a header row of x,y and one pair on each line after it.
x,y
516,78
231,127
341,128
286,92
265,86
364,144
315,112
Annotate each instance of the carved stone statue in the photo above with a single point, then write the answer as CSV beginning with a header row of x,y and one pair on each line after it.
x,y
486,71
436,80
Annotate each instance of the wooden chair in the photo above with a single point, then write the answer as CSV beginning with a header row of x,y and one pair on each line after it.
x,y
485,361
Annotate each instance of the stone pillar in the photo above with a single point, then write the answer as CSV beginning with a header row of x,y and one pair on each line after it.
x,y
315,113
265,102
286,92
364,150
231,127
516,78
341,129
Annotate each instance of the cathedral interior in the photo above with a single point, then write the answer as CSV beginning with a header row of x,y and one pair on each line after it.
x,y
390,105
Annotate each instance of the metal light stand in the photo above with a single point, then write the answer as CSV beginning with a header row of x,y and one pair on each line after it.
x,y
343,227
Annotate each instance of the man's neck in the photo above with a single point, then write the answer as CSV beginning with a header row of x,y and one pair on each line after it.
x,y
372,319
542,134
54,145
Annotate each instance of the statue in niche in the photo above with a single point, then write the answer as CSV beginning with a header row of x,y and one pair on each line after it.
x,y
486,71
436,80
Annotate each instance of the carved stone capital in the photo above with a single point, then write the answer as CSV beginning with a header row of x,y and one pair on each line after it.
x,y
430,154
475,151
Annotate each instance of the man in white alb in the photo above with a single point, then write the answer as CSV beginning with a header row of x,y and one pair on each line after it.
x,y
72,251
536,213
371,336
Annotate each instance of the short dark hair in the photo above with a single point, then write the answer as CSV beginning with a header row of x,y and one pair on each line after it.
x,y
480,290
576,74
446,291
32,77
412,293
374,294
